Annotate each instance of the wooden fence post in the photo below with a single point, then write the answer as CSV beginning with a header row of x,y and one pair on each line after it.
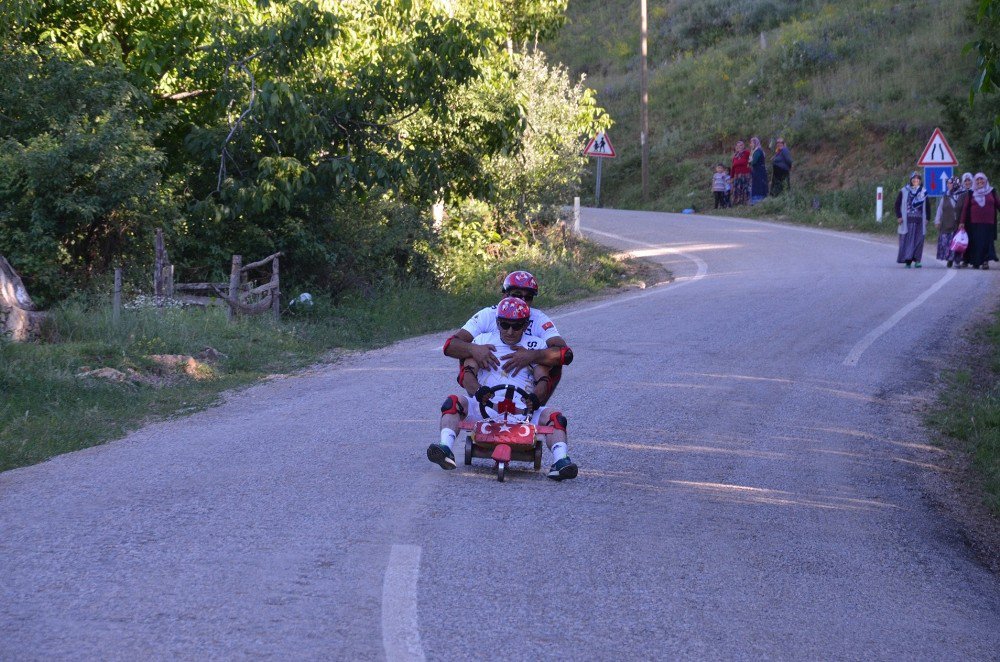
x,y
234,285
160,258
116,308
276,292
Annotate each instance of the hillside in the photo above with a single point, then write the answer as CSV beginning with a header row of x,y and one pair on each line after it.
x,y
854,87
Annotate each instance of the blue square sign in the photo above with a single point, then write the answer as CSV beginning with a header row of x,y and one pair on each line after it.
x,y
936,179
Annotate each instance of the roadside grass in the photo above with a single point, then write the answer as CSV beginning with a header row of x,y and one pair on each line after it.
x,y
46,409
968,410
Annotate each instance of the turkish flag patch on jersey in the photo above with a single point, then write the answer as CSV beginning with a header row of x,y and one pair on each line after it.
x,y
547,326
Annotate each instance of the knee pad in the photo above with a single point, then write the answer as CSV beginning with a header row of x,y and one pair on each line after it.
x,y
462,369
557,420
452,405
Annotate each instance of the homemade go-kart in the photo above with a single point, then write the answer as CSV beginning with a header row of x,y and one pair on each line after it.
x,y
506,433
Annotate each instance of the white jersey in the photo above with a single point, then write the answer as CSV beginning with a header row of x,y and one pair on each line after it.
x,y
541,327
524,379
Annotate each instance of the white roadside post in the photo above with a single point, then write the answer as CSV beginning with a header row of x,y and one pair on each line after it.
x,y
576,215
878,204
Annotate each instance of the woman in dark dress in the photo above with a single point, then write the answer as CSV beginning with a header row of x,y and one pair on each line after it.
x,y
911,215
740,173
758,171
946,221
979,214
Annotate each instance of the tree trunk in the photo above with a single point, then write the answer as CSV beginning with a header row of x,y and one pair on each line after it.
x,y
19,318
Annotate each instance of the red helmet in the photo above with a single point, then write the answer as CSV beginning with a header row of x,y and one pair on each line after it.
x,y
520,280
512,308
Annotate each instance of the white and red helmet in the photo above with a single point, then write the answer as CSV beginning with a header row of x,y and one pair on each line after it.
x,y
520,280
513,309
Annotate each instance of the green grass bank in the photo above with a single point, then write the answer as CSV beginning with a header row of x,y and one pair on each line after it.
x,y
855,87
969,412
48,409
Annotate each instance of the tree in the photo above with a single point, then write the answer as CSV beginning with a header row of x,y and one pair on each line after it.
x,y
987,80
246,125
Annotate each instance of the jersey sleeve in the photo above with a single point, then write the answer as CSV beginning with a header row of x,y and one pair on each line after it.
x,y
479,323
545,327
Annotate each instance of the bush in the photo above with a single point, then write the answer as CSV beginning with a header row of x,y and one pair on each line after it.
x,y
79,184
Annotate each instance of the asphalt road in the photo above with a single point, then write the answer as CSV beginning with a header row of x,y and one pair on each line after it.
x,y
750,448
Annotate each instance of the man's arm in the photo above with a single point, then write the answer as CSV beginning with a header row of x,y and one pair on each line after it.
x,y
460,346
554,354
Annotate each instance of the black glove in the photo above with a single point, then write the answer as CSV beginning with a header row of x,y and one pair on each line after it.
x,y
533,402
483,395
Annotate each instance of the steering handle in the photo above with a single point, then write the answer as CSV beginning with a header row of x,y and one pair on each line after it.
x,y
509,395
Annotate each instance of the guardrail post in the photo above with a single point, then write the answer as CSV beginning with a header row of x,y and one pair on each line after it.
x,y
576,215
878,204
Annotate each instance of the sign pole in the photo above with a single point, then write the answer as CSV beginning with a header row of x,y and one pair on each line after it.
x,y
644,98
597,193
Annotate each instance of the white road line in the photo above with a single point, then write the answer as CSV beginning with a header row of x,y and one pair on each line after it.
x,y
866,342
400,625
783,226
836,234
666,287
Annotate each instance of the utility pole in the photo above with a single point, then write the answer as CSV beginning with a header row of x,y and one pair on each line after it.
x,y
644,136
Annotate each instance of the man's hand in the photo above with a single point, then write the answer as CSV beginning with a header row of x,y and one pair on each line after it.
x,y
518,360
484,356
533,403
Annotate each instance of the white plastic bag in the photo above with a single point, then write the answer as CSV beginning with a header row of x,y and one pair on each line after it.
x,y
959,242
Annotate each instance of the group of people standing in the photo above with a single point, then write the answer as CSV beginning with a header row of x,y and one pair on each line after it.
x,y
746,180
969,204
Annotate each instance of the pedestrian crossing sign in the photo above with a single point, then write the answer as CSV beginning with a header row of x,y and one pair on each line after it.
x,y
600,146
937,152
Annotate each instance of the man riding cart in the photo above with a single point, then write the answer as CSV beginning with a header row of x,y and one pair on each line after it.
x,y
483,381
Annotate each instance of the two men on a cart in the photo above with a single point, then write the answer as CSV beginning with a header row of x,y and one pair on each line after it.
x,y
527,368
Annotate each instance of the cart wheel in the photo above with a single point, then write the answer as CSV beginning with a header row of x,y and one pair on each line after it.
x,y
538,454
468,450
501,466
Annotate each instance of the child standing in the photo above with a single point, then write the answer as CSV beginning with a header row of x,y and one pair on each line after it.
x,y
719,185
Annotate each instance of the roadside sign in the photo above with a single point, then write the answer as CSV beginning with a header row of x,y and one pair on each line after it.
x,y
936,180
600,146
937,152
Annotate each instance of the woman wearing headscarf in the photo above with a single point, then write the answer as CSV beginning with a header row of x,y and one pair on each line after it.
x,y
911,215
781,167
979,215
964,192
946,221
758,171
966,185
740,173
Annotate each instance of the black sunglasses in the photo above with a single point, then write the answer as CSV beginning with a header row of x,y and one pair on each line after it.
x,y
524,296
511,326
